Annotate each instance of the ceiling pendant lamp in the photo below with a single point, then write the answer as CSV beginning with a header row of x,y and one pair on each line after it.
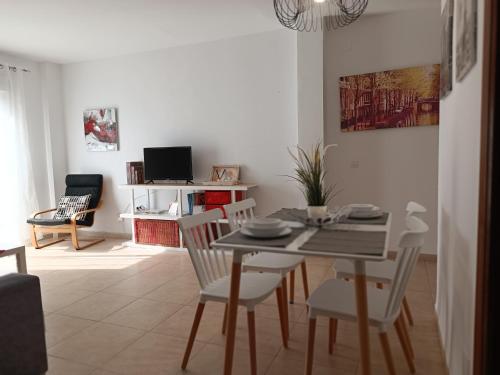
x,y
313,15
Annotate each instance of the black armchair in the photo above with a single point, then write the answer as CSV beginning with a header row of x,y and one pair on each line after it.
x,y
76,185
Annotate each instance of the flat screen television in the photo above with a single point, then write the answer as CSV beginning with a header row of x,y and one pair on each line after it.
x,y
168,163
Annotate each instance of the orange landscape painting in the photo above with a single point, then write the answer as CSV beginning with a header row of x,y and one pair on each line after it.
x,y
390,99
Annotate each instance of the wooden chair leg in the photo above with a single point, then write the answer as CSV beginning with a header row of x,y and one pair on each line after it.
x,y
406,350
76,242
303,268
34,241
407,336
37,245
332,334
279,301
192,335
406,308
310,346
74,238
251,340
292,286
384,341
224,321
285,307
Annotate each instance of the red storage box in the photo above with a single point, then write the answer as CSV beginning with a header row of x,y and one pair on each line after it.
x,y
221,197
157,232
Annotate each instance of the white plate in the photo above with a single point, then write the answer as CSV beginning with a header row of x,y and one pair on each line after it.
x,y
363,207
294,224
366,214
281,233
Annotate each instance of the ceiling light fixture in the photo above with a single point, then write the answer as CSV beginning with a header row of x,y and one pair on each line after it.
x,y
313,15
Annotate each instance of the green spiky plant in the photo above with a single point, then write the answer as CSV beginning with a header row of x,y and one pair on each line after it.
x,y
310,174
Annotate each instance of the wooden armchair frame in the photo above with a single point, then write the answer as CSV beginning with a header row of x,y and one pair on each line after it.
x,y
70,228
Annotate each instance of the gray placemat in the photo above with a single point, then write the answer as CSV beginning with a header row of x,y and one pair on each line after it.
x,y
240,239
382,220
351,242
290,214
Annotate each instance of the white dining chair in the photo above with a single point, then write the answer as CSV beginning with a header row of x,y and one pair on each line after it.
x,y
239,212
212,270
336,299
381,272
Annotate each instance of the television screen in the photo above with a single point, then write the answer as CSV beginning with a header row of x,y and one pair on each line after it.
x,y
168,163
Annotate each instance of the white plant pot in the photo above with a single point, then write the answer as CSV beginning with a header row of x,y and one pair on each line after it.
x,y
315,212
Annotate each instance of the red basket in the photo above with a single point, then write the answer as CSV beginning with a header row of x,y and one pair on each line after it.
x,y
221,197
157,232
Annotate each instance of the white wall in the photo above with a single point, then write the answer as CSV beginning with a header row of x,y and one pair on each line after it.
x,y
395,165
459,145
234,101
310,88
34,112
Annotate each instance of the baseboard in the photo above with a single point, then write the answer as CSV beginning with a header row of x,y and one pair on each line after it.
x,y
422,257
111,235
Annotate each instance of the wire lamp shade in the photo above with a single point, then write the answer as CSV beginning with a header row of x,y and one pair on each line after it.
x,y
312,15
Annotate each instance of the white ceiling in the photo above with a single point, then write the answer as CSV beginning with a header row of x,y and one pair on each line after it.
x,y
67,31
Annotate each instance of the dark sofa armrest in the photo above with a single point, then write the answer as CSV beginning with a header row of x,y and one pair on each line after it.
x,y
22,334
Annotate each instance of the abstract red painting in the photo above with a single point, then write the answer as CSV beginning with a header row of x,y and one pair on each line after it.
x,y
101,129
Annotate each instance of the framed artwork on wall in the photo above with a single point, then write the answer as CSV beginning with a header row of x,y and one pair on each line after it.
x,y
446,49
466,47
101,129
390,99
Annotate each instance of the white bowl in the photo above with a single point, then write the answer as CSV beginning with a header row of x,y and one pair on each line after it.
x,y
265,223
359,207
260,229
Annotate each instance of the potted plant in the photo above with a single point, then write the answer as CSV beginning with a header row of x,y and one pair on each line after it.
x,y
310,174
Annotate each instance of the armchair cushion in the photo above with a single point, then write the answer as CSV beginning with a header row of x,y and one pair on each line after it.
x,y
83,184
53,222
70,205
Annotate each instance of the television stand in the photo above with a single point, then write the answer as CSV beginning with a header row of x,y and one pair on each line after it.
x,y
181,190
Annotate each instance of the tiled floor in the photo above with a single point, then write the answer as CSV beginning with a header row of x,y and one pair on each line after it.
x,y
117,310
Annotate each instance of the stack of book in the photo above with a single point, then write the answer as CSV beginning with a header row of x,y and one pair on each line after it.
x,y
135,172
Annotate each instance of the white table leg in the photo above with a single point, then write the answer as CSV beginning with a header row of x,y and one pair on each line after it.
x,y
132,210
21,261
232,312
362,310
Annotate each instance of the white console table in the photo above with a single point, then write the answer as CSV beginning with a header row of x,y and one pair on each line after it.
x,y
180,189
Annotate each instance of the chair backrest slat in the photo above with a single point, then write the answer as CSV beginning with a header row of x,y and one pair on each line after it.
x,y
410,244
239,212
415,209
198,234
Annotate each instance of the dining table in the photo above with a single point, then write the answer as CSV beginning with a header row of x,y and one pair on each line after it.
x,y
358,240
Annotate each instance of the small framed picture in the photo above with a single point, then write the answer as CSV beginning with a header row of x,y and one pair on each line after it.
x,y
225,174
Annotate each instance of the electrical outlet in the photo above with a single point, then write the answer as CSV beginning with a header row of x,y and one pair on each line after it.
x,y
355,164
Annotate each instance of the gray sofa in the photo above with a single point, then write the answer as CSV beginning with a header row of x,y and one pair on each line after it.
x,y
22,334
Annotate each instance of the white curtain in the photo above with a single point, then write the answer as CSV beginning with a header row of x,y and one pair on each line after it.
x,y
17,191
